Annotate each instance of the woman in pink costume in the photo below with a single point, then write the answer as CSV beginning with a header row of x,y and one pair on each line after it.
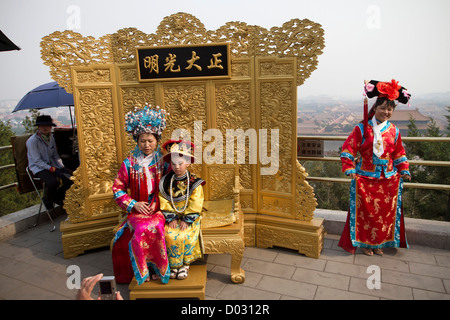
x,y
139,246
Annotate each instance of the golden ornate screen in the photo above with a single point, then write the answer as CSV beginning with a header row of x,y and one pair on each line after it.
x,y
261,94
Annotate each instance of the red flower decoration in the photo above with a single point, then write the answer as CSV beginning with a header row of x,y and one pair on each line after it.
x,y
389,89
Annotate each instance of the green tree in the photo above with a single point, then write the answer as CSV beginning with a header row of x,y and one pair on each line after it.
x,y
329,195
6,157
414,148
448,122
12,201
425,203
29,121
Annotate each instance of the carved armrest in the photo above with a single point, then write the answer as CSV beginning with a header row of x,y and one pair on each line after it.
x,y
236,196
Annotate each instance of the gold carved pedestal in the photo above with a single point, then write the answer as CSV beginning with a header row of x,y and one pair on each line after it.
x,y
261,94
193,287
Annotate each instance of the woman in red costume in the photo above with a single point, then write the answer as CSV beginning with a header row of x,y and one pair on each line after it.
x,y
139,246
375,218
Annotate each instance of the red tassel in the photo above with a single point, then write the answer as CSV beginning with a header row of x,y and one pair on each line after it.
x,y
366,116
131,180
143,193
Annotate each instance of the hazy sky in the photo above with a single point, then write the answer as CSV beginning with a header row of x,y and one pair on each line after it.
x,y
403,39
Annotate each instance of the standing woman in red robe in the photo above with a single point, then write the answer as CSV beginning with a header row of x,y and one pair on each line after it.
x,y
375,218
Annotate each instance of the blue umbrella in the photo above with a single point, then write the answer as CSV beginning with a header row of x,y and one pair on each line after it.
x,y
48,95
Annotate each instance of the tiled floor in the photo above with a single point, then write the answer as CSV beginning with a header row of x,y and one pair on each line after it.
x,y
32,267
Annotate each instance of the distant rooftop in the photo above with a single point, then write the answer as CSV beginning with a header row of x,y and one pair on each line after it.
x,y
404,115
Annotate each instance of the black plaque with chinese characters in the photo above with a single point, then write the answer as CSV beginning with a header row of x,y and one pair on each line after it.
x,y
184,62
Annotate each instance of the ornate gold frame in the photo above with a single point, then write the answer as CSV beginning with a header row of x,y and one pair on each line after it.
x,y
266,67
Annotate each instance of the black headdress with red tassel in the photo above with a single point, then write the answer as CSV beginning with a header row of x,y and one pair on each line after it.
x,y
390,90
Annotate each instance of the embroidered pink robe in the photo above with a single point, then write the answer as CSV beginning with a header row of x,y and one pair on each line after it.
x,y
146,245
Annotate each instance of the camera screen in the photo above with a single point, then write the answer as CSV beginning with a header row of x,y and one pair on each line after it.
x,y
105,287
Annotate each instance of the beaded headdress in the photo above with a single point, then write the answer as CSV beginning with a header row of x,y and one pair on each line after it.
x,y
146,120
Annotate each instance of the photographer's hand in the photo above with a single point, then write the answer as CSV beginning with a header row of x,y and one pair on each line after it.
x,y
118,296
87,285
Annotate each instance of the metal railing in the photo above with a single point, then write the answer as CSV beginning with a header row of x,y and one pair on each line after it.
x,y
411,162
5,167
333,159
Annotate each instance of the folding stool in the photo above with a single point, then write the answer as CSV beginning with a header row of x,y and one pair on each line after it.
x,y
34,179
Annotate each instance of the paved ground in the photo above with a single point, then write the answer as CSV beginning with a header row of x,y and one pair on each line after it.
x,y
32,267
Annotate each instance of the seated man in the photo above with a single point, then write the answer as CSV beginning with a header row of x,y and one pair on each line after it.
x,y
45,163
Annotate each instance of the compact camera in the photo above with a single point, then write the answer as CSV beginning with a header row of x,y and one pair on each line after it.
x,y
108,288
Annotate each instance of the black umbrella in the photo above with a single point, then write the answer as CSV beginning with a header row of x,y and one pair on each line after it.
x,y
6,44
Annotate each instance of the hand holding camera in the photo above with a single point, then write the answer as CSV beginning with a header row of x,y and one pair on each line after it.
x,y
107,285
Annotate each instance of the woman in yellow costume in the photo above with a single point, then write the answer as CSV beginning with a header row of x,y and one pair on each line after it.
x,y
181,202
